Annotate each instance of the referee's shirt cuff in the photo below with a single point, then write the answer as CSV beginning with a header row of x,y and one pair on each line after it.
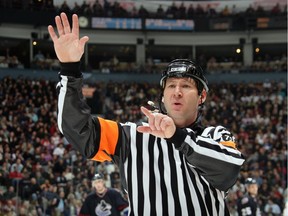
x,y
71,69
178,138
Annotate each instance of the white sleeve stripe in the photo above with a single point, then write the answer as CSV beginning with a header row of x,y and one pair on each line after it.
x,y
215,154
213,142
61,97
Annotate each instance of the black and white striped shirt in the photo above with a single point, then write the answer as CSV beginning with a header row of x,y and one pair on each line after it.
x,y
186,175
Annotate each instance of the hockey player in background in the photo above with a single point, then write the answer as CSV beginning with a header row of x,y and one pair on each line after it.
x,y
103,201
247,205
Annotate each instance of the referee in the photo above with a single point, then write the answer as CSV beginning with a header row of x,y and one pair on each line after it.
x,y
169,165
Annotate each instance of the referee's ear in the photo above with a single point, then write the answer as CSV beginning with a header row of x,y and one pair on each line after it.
x,y
203,97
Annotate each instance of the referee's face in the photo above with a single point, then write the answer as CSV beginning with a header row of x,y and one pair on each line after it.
x,y
181,100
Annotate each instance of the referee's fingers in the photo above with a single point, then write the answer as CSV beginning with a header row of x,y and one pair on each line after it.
x,y
52,33
144,129
146,112
150,116
65,23
75,25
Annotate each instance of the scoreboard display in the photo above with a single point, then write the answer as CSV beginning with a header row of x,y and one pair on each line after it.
x,y
142,24
116,23
169,24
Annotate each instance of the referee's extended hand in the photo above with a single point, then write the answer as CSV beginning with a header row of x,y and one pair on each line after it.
x,y
67,45
160,125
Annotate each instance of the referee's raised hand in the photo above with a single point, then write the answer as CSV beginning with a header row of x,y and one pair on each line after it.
x,y
67,45
159,124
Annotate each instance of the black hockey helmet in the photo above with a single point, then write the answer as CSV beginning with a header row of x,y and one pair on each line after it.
x,y
185,68
97,176
250,181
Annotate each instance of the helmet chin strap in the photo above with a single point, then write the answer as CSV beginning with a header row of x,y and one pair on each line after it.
x,y
161,109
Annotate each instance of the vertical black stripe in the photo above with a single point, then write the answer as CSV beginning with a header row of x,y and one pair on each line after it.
x,y
208,200
129,185
226,210
139,168
190,207
162,181
199,197
152,189
217,203
174,181
212,132
192,174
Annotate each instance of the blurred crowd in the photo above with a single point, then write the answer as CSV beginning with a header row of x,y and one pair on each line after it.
x,y
41,174
174,10
107,8
211,64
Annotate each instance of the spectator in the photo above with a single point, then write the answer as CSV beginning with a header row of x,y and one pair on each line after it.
x,y
250,11
260,11
77,9
160,12
225,11
33,189
60,205
234,10
271,208
142,12
190,11
59,165
49,5
181,11
10,194
9,207
199,11
114,62
275,11
59,150
15,176
211,12
65,7
97,9
39,59
17,166
49,196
